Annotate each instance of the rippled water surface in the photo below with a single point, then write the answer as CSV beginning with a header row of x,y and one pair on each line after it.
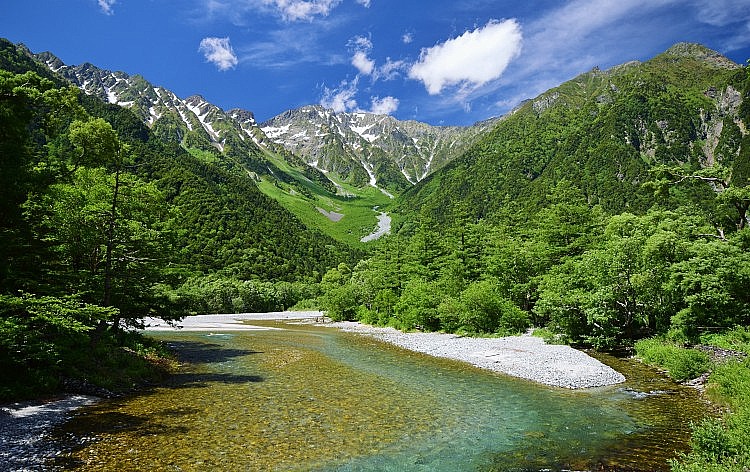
x,y
309,398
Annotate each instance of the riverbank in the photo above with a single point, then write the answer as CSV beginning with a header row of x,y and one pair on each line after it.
x,y
229,322
525,357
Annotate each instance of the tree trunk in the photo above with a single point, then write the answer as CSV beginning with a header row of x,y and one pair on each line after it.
x,y
107,298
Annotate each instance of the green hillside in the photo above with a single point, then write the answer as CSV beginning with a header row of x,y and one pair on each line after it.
x,y
602,131
103,223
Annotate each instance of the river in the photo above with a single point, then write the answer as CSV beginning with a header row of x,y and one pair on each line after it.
x,y
311,398
384,227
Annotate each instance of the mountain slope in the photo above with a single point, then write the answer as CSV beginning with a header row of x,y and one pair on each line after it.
x,y
223,223
317,163
366,148
602,131
233,141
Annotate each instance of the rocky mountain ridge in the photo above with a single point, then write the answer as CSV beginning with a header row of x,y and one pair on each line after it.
x,y
604,131
359,148
403,151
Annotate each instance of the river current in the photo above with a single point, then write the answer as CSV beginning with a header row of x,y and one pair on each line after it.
x,y
308,398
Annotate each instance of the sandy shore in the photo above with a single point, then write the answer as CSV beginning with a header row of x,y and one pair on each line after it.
x,y
526,357
228,322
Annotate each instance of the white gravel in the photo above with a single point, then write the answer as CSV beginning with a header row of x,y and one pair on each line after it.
x,y
228,322
527,357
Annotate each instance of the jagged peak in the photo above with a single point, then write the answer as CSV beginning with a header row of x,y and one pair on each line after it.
x,y
196,99
240,114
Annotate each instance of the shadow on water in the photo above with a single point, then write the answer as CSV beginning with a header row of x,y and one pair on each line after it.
x,y
188,380
194,352
99,421
198,354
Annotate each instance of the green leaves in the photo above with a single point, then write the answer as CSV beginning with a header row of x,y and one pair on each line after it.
x,y
95,143
38,333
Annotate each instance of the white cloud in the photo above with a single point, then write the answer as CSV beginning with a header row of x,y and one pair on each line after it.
x,y
470,60
302,10
360,43
218,51
106,6
362,46
407,38
723,14
384,106
364,64
364,3
341,98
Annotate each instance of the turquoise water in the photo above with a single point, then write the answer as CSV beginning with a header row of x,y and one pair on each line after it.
x,y
316,399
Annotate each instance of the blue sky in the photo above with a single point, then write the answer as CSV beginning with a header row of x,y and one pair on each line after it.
x,y
450,62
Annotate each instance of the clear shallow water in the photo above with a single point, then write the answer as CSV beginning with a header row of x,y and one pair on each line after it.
x,y
317,399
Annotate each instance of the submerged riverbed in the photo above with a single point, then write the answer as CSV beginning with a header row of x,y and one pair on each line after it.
x,y
309,398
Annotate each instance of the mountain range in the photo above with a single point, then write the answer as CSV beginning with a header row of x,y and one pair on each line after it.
x,y
603,130
357,148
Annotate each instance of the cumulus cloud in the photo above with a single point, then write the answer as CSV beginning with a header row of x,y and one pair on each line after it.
x,y
384,106
341,98
470,60
106,6
302,10
364,64
362,46
219,52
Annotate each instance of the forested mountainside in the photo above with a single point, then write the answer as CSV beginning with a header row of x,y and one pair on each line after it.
x,y
607,211
231,139
357,148
103,223
610,212
602,131
610,208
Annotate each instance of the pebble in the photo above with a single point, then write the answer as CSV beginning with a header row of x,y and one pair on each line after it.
x,y
527,357
26,442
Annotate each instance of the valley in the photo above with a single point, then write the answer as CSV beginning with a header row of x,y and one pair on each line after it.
x,y
608,213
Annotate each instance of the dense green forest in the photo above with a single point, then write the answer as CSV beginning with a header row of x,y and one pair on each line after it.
x,y
102,223
609,212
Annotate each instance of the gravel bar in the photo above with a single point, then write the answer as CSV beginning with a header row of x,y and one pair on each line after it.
x,y
527,357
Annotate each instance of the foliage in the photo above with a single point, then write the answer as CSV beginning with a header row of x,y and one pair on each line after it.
x,y
38,335
735,339
221,294
97,207
681,363
723,444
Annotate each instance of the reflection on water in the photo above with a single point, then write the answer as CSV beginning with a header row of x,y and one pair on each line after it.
x,y
315,399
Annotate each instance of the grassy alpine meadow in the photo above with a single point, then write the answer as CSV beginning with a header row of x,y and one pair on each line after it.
x,y
349,213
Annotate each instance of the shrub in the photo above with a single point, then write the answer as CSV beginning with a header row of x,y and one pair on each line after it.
x,y
513,320
680,363
723,444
